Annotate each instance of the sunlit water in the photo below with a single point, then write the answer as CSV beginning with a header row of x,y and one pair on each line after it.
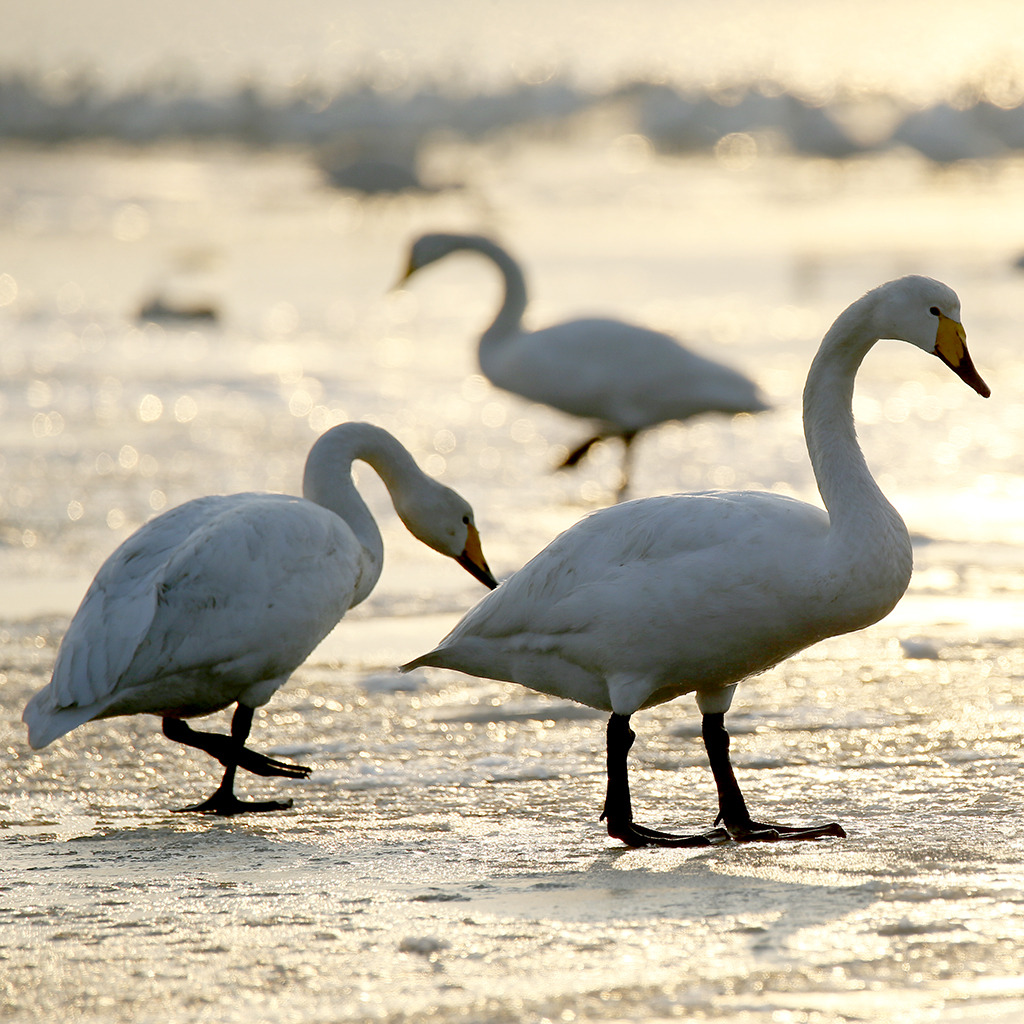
x,y
444,862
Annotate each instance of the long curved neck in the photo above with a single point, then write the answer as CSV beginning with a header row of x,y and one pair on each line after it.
x,y
864,528
327,480
508,321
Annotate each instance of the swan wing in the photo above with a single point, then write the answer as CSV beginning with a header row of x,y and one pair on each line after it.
x,y
622,374
119,605
228,590
250,596
640,602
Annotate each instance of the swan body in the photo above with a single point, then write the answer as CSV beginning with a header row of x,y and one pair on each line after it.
x,y
622,611
219,600
624,377
642,602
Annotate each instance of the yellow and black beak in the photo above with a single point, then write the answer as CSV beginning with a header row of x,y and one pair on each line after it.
x,y
473,561
951,348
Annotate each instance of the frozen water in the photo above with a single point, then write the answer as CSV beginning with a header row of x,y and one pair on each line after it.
x,y
444,862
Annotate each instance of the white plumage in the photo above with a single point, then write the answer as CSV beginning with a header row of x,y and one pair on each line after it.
x,y
623,377
219,600
659,597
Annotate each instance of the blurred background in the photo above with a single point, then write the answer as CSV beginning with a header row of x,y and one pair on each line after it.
x,y
202,210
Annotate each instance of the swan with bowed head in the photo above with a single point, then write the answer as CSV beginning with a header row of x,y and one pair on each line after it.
x,y
219,600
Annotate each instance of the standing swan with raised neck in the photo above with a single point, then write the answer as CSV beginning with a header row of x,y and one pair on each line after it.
x,y
692,593
624,377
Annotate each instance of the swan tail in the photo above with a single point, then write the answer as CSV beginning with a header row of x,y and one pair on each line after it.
x,y
47,723
431,658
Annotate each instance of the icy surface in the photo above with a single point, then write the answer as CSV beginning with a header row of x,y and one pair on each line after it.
x,y
444,862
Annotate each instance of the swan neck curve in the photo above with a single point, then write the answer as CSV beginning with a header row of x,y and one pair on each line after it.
x,y
864,529
328,482
508,321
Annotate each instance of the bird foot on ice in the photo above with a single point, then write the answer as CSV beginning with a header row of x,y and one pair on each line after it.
x,y
227,805
636,835
765,832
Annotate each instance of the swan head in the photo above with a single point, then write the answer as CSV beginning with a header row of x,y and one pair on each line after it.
x,y
431,247
926,313
443,520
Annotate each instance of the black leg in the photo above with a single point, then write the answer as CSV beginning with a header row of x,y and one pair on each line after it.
x,y
233,754
732,808
627,464
618,811
577,453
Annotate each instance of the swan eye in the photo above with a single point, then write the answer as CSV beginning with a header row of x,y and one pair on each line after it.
x,y
465,520
934,311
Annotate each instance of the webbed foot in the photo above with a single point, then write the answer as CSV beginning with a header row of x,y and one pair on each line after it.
x,y
769,832
632,834
227,805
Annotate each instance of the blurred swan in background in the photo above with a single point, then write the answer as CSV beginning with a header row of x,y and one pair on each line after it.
x,y
624,377
691,593
220,599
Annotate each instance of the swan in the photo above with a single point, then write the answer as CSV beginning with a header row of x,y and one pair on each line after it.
x,y
644,601
624,377
219,600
